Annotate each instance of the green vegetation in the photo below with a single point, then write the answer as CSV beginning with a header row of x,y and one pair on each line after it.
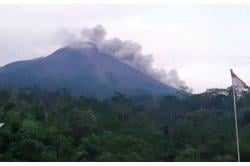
x,y
53,126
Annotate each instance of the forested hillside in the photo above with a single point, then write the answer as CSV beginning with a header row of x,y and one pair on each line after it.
x,y
53,126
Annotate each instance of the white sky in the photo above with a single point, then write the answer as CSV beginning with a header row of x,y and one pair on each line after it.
x,y
201,41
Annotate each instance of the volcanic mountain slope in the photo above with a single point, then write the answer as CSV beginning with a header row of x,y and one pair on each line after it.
x,y
82,71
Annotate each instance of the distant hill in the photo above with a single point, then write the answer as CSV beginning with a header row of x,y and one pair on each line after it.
x,y
82,71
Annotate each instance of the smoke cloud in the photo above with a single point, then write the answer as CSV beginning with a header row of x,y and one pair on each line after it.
x,y
128,52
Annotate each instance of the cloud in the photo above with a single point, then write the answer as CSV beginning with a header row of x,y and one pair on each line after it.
x,y
127,51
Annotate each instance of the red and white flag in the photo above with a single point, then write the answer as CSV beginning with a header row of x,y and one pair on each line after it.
x,y
238,84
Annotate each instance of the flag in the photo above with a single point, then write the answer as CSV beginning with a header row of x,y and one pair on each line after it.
x,y
238,84
238,87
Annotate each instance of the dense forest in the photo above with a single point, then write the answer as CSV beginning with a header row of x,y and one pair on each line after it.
x,y
54,126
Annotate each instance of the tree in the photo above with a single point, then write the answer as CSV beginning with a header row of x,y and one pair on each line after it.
x,y
27,150
120,103
82,122
189,154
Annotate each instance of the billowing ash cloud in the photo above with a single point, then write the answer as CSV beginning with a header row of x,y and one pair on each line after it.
x,y
128,52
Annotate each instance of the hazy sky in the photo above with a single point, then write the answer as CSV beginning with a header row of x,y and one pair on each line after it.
x,y
201,41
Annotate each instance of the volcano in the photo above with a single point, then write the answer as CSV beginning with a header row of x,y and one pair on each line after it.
x,y
82,71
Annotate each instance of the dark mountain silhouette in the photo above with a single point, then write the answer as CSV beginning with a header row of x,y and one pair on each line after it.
x,y
82,71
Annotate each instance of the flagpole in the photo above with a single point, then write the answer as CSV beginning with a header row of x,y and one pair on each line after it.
x,y
236,125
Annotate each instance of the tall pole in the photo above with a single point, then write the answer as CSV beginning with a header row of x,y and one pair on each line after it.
x,y
236,126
